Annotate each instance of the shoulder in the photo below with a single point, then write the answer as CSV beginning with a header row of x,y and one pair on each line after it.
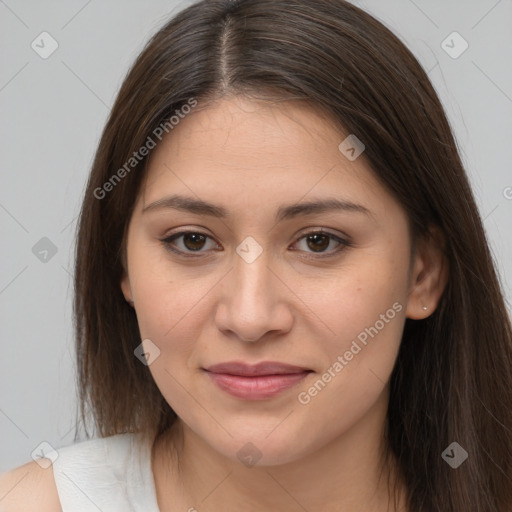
x,y
38,487
29,488
93,471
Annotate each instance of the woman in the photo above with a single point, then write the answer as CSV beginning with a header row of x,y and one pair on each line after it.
x,y
284,294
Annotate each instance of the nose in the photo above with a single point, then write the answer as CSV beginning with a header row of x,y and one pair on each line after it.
x,y
254,304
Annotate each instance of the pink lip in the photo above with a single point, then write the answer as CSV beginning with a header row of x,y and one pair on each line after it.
x,y
256,382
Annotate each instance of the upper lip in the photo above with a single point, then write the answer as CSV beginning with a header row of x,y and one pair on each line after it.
x,y
248,370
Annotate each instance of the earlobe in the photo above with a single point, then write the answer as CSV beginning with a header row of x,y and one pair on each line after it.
x,y
429,276
126,288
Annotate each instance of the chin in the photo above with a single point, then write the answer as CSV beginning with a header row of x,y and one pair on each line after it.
x,y
257,447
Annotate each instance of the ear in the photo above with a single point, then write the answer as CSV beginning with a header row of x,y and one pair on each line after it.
x,y
125,287
125,279
429,275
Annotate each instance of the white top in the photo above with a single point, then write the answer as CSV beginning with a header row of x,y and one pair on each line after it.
x,y
111,474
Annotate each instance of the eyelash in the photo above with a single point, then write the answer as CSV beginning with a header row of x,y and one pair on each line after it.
x,y
170,239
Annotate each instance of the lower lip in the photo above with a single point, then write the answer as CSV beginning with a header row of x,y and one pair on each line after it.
x,y
256,388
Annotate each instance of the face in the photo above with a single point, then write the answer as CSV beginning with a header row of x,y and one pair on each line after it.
x,y
255,276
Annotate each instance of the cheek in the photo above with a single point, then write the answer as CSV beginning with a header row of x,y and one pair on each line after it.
x,y
360,359
365,318
168,296
171,311
364,300
358,362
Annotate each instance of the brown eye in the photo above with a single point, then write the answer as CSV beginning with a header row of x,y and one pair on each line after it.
x,y
187,242
319,241
193,241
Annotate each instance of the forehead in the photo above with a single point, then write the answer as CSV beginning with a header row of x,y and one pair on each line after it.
x,y
253,151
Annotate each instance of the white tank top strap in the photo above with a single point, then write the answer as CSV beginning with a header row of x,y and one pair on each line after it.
x,y
111,474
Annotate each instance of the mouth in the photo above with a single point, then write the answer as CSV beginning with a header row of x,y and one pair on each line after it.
x,y
256,382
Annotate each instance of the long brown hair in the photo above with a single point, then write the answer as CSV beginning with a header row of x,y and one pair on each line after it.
x,y
452,381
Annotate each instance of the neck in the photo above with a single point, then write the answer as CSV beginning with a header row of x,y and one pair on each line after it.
x,y
349,473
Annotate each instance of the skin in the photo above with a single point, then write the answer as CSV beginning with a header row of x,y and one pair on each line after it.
x,y
251,157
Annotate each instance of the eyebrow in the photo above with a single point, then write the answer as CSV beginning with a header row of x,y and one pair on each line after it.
x,y
284,212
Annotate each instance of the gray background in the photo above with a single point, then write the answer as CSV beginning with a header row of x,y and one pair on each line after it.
x,y
52,114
